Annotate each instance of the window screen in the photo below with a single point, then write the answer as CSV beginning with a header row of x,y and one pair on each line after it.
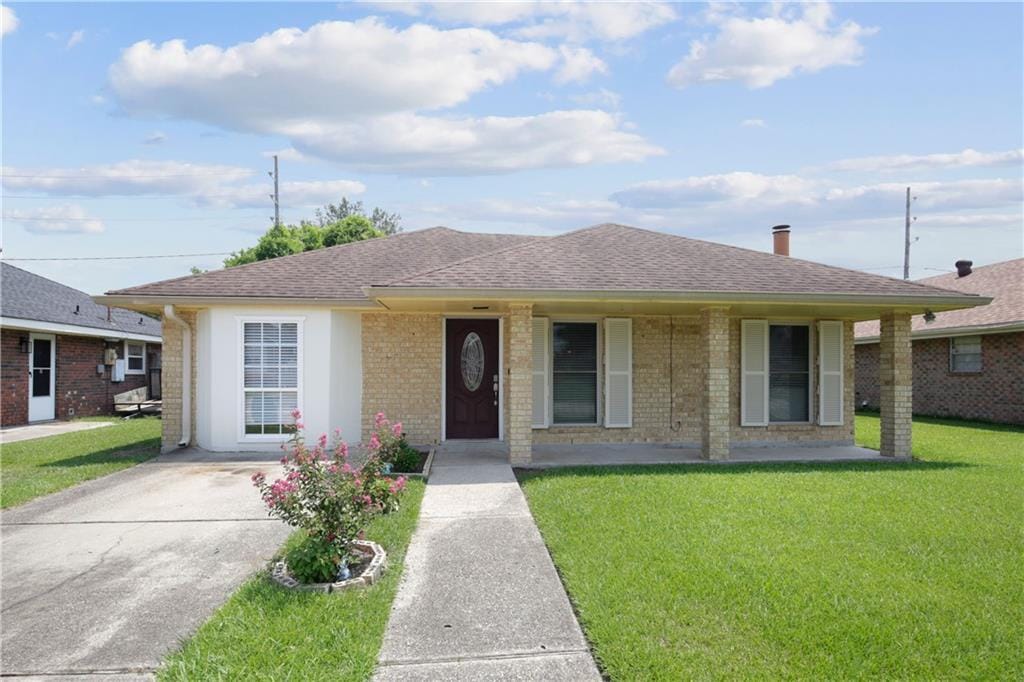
x,y
965,354
788,373
135,353
271,381
574,372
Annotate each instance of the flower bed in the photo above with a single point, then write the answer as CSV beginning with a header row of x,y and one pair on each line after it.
x,y
322,494
368,570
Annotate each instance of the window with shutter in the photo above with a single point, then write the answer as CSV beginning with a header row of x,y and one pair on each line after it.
x,y
618,342
574,372
270,382
541,352
830,373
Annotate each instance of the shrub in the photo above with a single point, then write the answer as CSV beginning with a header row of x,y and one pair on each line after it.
x,y
312,560
390,444
324,495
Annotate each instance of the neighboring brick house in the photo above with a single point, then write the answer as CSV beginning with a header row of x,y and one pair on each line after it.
x,y
62,355
967,363
605,334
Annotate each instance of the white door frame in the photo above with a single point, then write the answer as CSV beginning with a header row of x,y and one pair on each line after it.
x,y
42,408
501,369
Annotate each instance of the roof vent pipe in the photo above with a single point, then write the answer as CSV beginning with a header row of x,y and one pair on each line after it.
x,y
963,267
780,238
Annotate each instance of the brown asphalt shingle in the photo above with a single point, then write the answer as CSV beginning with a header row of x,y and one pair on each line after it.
x,y
1004,282
603,257
617,257
336,272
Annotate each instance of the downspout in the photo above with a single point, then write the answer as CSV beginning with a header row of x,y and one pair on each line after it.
x,y
186,374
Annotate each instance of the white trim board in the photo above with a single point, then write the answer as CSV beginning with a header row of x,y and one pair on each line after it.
x,y
74,330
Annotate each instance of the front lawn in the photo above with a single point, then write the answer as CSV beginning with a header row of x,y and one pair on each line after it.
x,y
269,633
829,571
31,468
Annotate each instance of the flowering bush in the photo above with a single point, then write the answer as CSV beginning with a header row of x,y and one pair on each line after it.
x,y
391,446
324,495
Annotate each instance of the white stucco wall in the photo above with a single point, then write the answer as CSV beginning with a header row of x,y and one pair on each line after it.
x,y
331,374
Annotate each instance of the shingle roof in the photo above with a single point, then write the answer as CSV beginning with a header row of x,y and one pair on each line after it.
x,y
27,296
337,272
603,257
1004,282
617,257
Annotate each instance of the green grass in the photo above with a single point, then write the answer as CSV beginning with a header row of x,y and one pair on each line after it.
x,y
31,468
829,571
265,632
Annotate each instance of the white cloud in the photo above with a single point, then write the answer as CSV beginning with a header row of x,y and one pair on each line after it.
x,y
66,219
124,178
368,108
578,65
75,38
602,98
901,162
753,123
155,137
293,194
759,51
335,70
98,100
492,144
736,186
8,20
954,195
573,21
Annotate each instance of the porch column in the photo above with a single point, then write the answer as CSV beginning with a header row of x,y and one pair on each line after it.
x,y
520,383
715,425
895,380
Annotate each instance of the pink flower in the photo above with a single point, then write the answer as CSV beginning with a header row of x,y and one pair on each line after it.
x,y
299,426
296,414
337,433
322,441
396,429
367,499
374,443
380,420
258,478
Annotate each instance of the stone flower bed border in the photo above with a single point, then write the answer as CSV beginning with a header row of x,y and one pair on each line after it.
x,y
369,576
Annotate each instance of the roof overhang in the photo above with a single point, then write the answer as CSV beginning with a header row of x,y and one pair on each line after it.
x,y
945,332
74,330
156,304
845,305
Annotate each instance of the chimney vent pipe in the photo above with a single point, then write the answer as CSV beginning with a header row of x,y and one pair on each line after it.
x,y
780,240
963,267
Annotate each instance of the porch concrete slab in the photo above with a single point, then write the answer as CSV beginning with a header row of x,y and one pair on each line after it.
x,y
470,452
104,579
578,666
13,434
480,597
622,454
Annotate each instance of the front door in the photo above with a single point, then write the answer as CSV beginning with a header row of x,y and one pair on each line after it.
x,y
471,379
41,365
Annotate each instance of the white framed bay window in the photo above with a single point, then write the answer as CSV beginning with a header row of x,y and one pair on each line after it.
x,y
271,376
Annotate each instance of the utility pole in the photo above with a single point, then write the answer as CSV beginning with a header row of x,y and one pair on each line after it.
x,y
906,234
276,197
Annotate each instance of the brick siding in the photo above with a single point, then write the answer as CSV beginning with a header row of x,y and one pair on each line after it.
x,y
79,390
995,394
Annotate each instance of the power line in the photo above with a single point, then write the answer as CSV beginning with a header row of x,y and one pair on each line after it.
x,y
121,176
171,255
134,220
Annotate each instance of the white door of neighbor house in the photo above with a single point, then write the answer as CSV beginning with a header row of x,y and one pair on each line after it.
x,y
42,358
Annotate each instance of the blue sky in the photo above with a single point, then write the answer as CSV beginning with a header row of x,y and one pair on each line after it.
x,y
139,129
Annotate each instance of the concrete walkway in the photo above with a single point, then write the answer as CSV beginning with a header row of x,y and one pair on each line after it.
x,y
101,580
13,434
480,598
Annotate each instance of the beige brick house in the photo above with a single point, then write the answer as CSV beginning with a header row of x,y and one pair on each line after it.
x,y
608,334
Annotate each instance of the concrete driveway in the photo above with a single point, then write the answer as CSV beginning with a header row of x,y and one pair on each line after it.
x,y
107,577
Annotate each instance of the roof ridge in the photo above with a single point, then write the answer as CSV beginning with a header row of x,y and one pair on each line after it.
x,y
472,258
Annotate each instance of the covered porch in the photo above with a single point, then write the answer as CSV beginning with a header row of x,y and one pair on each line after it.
x,y
547,456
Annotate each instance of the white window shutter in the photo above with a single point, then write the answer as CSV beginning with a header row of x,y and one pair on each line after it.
x,y
830,373
541,341
618,366
754,373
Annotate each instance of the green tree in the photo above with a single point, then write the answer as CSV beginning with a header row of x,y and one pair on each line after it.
x,y
335,224
353,228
